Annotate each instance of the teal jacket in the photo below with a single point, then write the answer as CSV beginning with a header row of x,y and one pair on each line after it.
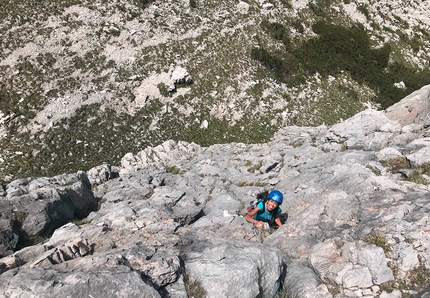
x,y
264,214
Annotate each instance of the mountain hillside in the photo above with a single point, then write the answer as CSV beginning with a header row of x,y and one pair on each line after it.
x,y
85,82
169,221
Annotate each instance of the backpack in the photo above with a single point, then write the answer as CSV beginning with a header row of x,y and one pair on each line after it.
x,y
261,197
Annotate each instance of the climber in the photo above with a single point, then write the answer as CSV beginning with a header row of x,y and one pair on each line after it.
x,y
266,210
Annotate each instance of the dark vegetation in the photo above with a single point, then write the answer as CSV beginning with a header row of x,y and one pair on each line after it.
x,y
337,49
143,3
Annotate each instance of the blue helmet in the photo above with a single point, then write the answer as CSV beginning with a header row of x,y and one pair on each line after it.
x,y
276,195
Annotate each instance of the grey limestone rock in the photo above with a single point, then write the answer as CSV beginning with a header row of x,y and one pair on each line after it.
x,y
181,76
99,174
40,205
302,281
230,268
423,294
119,281
174,218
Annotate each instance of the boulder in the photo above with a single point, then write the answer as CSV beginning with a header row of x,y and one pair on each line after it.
x,y
234,268
181,76
43,204
99,174
119,281
412,109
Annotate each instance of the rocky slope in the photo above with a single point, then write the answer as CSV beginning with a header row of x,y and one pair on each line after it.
x,y
84,82
169,221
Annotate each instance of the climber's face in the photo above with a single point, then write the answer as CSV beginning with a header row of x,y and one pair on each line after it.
x,y
271,205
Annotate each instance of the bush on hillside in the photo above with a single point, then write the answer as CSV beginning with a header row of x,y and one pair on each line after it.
x,y
277,31
272,62
143,3
337,49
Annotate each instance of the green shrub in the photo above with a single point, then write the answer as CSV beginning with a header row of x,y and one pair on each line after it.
x,y
415,43
286,96
337,49
298,26
417,175
420,277
388,29
401,22
193,3
143,3
363,9
272,62
287,3
417,178
164,91
8,100
173,170
277,31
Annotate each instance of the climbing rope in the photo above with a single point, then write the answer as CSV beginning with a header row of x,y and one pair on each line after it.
x,y
276,289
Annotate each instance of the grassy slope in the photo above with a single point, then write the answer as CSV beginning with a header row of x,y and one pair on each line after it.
x,y
241,99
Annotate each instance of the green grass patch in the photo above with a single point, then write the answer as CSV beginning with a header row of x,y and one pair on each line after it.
x,y
420,278
417,280
193,287
143,3
417,175
173,170
375,170
94,136
395,164
379,240
255,167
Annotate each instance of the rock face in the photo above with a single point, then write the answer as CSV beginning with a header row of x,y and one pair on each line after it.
x,y
170,222
35,207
